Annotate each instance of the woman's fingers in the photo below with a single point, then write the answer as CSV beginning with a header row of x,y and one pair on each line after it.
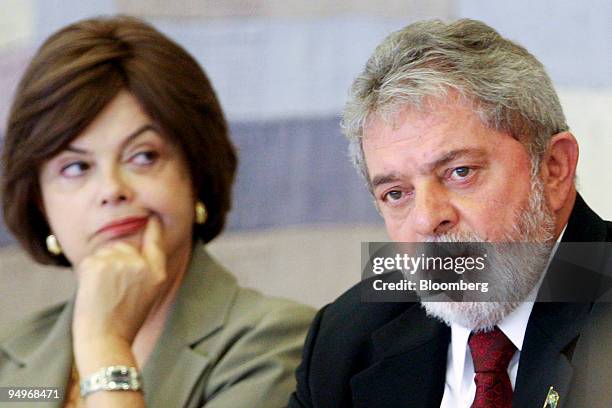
x,y
114,249
152,249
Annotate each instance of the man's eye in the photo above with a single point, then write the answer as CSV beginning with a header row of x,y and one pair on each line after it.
x,y
393,195
144,158
75,169
461,172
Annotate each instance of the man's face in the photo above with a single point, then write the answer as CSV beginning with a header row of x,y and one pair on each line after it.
x,y
444,171
444,176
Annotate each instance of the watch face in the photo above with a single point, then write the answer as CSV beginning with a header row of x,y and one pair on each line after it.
x,y
120,374
112,379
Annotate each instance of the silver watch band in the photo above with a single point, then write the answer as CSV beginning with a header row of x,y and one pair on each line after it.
x,y
113,378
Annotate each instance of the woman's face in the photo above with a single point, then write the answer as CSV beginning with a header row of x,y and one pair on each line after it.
x,y
115,175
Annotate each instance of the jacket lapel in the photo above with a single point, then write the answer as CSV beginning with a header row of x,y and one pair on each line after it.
x,y
554,328
550,340
43,354
409,364
174,371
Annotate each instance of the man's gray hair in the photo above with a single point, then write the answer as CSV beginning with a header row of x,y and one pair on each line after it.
x,y
505,85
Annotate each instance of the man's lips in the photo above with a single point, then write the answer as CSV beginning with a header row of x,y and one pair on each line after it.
x,y
124,226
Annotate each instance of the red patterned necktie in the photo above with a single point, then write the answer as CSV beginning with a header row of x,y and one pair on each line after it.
x,y
491,352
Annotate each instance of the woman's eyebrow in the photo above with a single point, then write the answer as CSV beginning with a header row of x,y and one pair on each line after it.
x,y
138,132
126,140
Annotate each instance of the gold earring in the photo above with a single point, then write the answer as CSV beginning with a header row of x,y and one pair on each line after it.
x,y
200,213
53,245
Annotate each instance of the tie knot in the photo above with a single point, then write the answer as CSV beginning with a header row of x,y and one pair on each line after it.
x,y
491,351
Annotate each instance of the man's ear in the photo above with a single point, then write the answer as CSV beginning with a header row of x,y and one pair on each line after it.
x,y
558,169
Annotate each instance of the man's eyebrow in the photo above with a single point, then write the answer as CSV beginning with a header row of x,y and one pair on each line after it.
x,y
428,167
126,141
450,156
385,178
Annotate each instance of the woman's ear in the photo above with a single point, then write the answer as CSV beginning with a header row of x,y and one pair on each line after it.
x,y
558,169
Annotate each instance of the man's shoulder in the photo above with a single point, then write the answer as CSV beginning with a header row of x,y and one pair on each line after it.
x,y
585,225
352,319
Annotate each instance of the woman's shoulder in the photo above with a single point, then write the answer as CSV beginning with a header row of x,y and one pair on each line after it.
x,y
249,312
253,305
37,322
244,305
258,349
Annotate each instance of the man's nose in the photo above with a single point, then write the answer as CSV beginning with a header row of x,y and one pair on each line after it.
x,y
114,188
433,213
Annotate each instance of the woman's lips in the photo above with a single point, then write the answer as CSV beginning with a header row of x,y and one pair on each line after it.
x,y
123,227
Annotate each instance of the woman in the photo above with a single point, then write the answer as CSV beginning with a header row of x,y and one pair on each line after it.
x,y
117,163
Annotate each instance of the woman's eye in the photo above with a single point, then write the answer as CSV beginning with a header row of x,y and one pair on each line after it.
x,y
75,169
144,158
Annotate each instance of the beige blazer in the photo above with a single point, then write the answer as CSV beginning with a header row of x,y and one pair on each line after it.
x,y
223,346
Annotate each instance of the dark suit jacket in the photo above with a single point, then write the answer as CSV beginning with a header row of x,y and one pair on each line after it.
x,y
392,355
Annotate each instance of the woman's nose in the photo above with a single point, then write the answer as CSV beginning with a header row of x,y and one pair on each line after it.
x,y
114,188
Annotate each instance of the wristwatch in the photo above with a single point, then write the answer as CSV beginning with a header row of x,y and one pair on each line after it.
x,y
113,378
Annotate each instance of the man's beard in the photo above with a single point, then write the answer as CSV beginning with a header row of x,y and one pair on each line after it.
x,y
514,276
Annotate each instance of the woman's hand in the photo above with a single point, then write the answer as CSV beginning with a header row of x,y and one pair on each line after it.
x,y
118,285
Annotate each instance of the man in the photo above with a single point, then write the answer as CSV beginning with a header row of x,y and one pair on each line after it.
x,y
461,137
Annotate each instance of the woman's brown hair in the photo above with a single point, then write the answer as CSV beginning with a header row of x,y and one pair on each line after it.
x,y
72,77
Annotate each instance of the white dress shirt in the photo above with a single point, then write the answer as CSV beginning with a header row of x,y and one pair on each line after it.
x,y
460,388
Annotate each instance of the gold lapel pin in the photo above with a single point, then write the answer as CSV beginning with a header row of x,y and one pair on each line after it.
x,y
552,398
